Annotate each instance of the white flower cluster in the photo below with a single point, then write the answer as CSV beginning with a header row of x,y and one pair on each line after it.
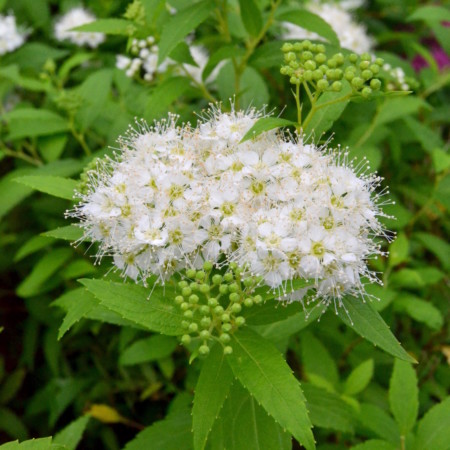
x,y
398,78
281,209
352,35
74,18
10,36
145,58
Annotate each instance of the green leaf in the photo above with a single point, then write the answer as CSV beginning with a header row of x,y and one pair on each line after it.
x,y
52,147
251,16
32,444
269,312
226,52
108,26
211,390
148,349
398,250
316,359
323,118
266,56
29,122
396,108
68,233
33,245
359,378
328,410
181,24
420,310
70,435
434,430
151,308
34,283
265,124
432,13
371,326
262,370
12,425
374,444
416,278
10,386
435,245
172,433
311,22
404,395
56,186
164,95
379,422
72,62
441,160
244,425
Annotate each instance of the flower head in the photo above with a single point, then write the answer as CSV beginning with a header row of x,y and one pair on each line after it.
x,y
280,209
10,36
75,18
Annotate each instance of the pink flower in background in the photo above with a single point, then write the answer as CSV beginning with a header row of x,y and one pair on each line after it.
x,y
440,56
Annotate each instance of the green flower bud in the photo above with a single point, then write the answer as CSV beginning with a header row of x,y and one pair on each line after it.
x,y
248,281
185,339
294,80
225,338
357,82
184,324
185,306
217,279
248,302
204,288
317,75
308,75
375,84
228,277
363,65
366,92
212,302
236,308
298,47
332,63
223,288
218,309
353,57
374,68
310,65
186,292
339,58
320,58
194,286
179,299
336,86
286,47
330,74
204,309
321,48
257,299
306,56
193,327
240,321
188,314
228,350
294,64
288,57
313,48
203,350
193,299
233,266
182,284
234,297
379,62
234,287
225,317
338,74
306,44
283,70
227,327
322,85
367,74
205,322
323,68
205,334
207,266
366,57
349,75
200,275
190,273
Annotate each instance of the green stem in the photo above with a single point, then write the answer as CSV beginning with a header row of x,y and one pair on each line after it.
x,y
21,155
79,137
299,107
199,85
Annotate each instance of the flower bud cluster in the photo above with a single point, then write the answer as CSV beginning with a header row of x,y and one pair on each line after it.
x,y
10,36
75,18
397,79
283,209
212,302
306,62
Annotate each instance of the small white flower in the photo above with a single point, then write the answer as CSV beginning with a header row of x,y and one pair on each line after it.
x,y
11,37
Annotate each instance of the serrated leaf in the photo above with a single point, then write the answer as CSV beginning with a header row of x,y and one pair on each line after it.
x,y
251,16
42,271
148,349
172,433
12,424
380,422
71,435
265,124
68,233
57,186
180,25
108,26
371,326
374,444
328,410
359,378
154,311
420,310
211,390
398,250
434,428
262,370
404,395
311,22
323,118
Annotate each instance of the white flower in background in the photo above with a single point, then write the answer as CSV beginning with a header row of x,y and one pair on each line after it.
x,y
281,209
75,18
352,35
10,36
398,78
